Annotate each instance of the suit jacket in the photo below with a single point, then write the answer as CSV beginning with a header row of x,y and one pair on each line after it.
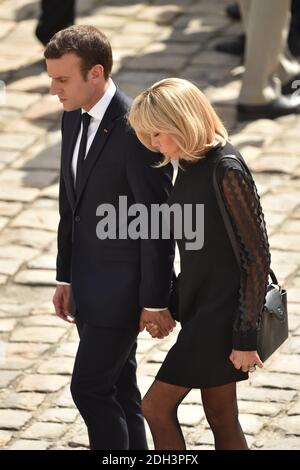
x,y
111,279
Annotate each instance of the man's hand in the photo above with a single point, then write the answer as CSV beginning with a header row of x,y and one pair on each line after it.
x,y
245,360
61,302
161,318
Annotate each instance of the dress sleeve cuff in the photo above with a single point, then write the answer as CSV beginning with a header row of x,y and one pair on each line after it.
x,y
244,341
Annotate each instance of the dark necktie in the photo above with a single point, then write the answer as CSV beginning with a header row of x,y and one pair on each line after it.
x,y
82,149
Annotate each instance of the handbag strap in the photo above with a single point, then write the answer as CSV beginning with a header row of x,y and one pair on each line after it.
x,y
224,213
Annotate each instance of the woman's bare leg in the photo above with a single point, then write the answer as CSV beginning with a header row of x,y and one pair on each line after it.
x,y
159,407
221,410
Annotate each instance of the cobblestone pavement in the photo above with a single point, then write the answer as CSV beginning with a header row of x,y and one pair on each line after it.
x,y
151,40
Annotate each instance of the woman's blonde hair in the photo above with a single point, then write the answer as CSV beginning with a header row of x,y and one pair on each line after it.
x,y
177,107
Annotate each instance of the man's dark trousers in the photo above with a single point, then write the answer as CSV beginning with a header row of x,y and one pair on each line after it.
x,y
104,388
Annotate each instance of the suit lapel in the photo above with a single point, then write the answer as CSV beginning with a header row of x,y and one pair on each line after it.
x,y
113,111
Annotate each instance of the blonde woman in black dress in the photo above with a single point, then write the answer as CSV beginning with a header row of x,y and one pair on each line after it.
x,y
219,304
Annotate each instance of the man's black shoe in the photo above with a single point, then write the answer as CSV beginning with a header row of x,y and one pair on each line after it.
x,y
282,106
234,46
233,11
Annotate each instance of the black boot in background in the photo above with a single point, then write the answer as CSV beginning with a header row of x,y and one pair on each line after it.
x,y
233,11
55,15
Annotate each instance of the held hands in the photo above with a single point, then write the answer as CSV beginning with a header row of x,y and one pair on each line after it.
x,y
61,302
159,323
245,360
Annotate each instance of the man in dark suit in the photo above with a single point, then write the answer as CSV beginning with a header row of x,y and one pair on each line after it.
x,y
117,284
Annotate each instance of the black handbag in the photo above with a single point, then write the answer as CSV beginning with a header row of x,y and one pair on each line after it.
x,y
273,321
273,324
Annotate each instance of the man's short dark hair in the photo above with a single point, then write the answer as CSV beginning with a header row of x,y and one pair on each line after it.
x,y
87,42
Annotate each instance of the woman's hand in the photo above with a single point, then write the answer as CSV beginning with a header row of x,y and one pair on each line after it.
x,y
161,318
155,331
245,360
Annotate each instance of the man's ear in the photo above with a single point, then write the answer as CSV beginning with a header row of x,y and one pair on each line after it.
x,y
97,72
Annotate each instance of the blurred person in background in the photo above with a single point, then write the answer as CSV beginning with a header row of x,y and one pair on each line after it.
x,y
237,44
270,69
54,16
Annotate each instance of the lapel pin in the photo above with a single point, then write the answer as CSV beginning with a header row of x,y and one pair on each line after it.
x,y
105,130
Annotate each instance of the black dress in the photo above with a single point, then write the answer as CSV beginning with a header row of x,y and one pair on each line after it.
x,y
218,305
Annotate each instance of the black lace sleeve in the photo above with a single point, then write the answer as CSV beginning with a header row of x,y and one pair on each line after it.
x,y
243,205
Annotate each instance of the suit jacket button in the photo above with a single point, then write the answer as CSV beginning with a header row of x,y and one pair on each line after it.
x,y
77,218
